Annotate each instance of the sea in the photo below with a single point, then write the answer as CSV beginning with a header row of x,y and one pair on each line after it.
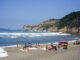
x,y
9,38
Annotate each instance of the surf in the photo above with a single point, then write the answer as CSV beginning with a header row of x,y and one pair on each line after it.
x,y
15,35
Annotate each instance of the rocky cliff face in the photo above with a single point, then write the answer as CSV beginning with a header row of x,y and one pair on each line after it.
x,y
27,27
48,25
69,23
52,27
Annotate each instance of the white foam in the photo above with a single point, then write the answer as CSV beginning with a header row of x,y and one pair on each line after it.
x,y
9,46
15,35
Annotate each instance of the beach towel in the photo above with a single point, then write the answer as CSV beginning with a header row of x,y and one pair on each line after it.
x,y
23,50
33,48
43,49
3,53
29,49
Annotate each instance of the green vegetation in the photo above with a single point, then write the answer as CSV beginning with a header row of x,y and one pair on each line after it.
x,y
46,26
69,23
71,20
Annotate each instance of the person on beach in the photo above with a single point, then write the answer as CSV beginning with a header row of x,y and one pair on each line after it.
x,y
59,45
17,44
47,47
29,45
51,47
77,42
38,45
55,48
65,46
25,47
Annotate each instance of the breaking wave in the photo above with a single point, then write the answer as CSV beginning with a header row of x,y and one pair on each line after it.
x,y
16,35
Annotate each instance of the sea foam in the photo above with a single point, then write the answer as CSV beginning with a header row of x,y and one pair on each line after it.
x,y
16,35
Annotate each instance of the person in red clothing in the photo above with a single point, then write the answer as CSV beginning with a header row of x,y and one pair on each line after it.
x,y
17,44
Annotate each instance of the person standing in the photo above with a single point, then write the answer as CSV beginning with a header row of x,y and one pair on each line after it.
x,y
17,44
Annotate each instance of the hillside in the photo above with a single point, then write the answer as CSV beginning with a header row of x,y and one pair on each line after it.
x,y
71,20
69,23
47,25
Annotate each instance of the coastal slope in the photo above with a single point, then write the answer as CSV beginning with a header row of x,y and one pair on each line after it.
x,y
69,23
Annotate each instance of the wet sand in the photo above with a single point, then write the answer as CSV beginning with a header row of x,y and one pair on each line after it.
x,y
71,54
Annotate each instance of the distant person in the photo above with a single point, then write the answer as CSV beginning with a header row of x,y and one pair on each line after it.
x,y
47,48
38,45
55,48
51,47
25,47
29,45
65,46
17,44
59,45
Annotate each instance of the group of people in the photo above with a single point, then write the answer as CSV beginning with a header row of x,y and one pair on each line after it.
x,y
26,46
65,45
51,47
77,42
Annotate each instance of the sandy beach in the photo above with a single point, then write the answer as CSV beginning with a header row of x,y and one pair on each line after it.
x,y
39,30
71,54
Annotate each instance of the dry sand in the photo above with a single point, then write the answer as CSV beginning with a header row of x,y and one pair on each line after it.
x,y
70,54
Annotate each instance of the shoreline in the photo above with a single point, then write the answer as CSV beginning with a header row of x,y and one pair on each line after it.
x,y
13,46
14,53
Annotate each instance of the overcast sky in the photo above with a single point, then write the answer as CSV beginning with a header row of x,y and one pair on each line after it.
x,y
14,14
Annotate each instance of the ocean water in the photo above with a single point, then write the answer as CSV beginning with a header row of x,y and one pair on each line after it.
x,y
11,37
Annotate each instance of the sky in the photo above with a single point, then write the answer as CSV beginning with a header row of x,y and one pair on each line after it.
x,y
14,14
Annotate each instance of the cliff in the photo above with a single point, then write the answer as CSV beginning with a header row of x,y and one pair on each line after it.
x,y
69,23
48,25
